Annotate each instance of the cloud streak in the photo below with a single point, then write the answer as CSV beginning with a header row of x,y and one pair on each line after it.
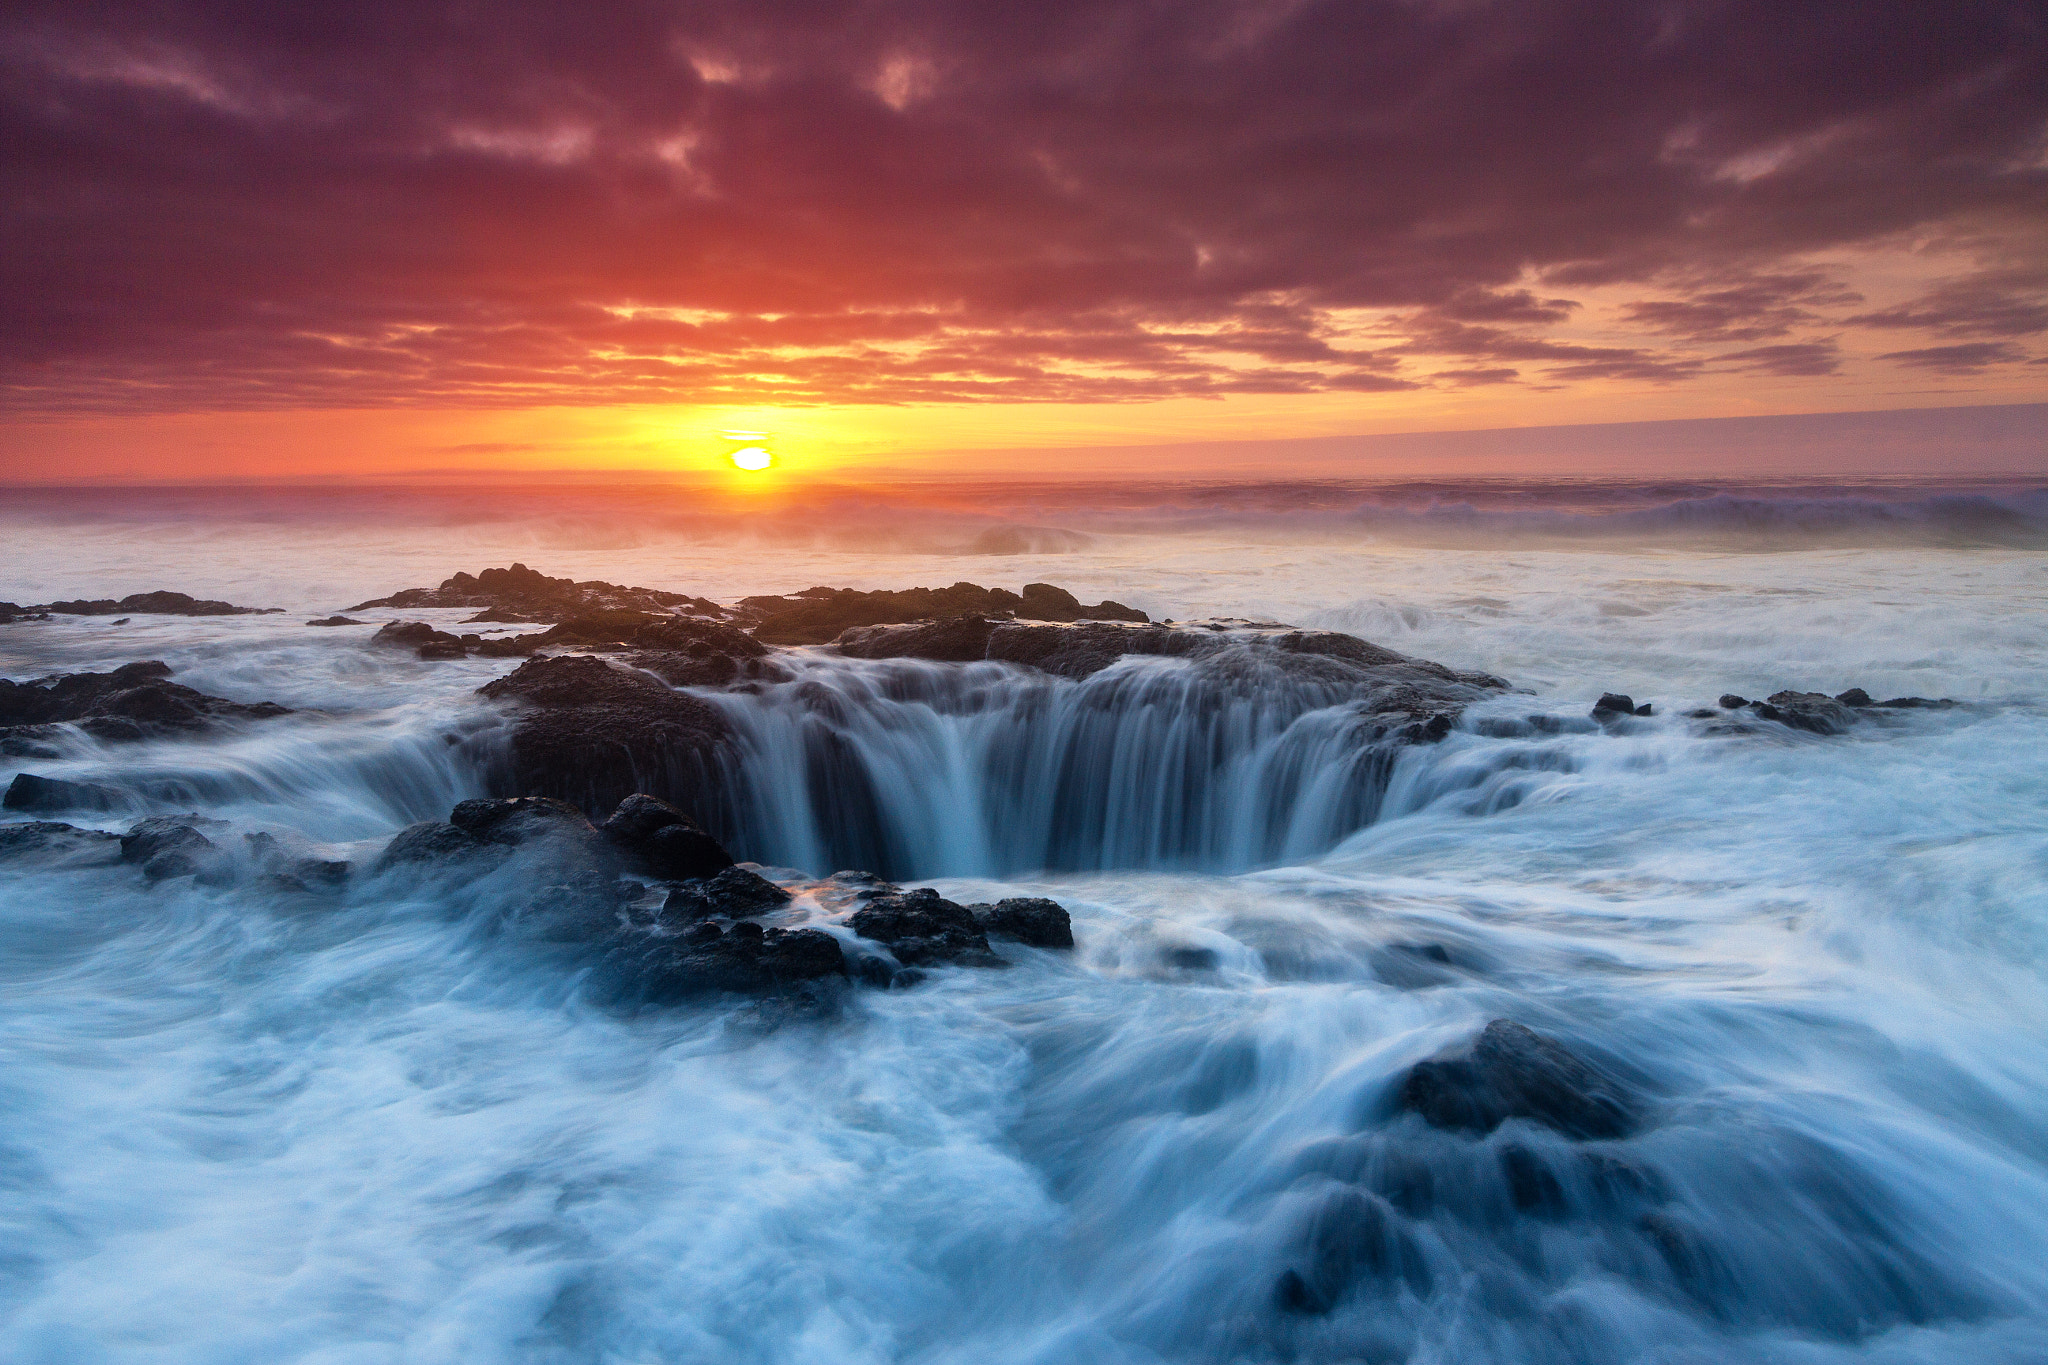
x,y
243,205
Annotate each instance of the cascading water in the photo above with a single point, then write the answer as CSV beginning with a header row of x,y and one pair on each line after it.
x,y
243,1121
917,769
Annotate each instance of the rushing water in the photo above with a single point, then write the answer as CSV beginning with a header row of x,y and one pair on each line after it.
x,y
244,1123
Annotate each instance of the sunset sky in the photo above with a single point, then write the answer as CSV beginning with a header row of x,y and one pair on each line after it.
x,y
249,239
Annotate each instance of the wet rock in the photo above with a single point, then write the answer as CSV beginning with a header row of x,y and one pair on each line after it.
x,y
155,603
1918,703
1350,1239
592,734
522,594
29,792
1703,713
293,872
1732,702
337,621
426,843
132,702
172,846
686,652
706,959
1242,657
1812,711
516,820
664,842
818,615
735,893
1612,704
922,929
48,839
421,638
1855,696
1512,1071
1034,920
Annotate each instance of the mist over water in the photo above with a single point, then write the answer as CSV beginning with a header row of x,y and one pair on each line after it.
x,y
246,1124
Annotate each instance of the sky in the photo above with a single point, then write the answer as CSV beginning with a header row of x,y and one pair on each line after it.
x,y
285,240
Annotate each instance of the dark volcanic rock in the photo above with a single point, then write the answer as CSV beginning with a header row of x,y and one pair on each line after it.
x,y
1731,702
663,841
1034,920
693,653
337,621
1613,704
155,603
592,734
521,594
132,702
1814,711
1349,1236
735,893
517,820
172,846
1239,656
421,638
818,615
427,843
922,929
1514,1072
29,792
745,958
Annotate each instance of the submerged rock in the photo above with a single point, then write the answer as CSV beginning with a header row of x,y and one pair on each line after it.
x,y
49,839
132,702
592,735
745,958
1512,1071
337,621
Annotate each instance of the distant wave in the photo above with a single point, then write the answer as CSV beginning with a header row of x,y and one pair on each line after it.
x,y
997,519
2013,520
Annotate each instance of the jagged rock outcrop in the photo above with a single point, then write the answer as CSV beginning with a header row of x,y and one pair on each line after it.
x,y
816,616
734,893
920,928
593,734
1032,920
1817,713
152,604
664,842
131,702
522,594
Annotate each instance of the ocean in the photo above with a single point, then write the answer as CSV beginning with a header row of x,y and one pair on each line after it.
x,y
240,1123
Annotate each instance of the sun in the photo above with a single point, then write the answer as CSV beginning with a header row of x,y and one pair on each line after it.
x,y
754,458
